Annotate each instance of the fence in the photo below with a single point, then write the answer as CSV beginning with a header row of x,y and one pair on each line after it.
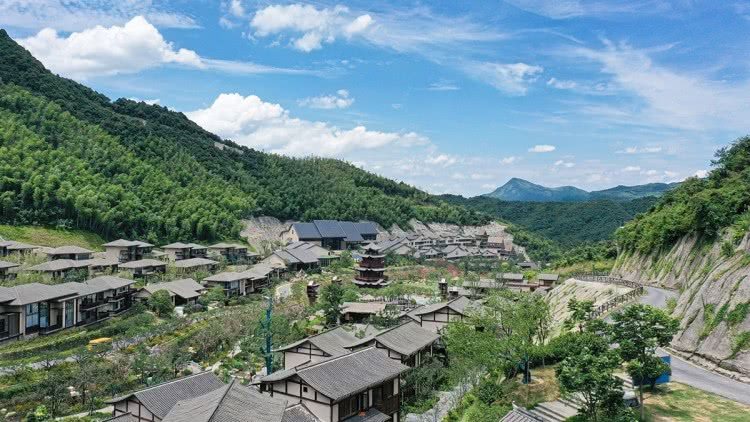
x,y
615,301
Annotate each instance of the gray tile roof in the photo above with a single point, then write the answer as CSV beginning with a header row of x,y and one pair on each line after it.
x,y
299,413
176,245
125,417
160,399
548,277
122,243
519,414
71,249
196,246
483,284
230,403
24,294
186,288
351,231
6,264
18,246
459,305
227,277
143,263
512,276
362,307
406,339
307,231
194,262
343,376
366,228
371,415
329,229
108,282
60,265
333,341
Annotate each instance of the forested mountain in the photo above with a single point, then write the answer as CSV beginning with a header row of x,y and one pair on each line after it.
x,y
567,223
523,190
698,206
123,168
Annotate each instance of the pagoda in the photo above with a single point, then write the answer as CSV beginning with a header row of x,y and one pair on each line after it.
x,y
371,269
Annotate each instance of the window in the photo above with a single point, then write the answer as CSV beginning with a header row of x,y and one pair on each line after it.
x,y
304,389
388,389
32,315
69,312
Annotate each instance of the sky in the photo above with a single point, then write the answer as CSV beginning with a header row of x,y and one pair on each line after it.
x,y
452,97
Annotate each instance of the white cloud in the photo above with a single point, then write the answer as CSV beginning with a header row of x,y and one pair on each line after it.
x,y
135,46
542,148
566,164
444,160
316,26
236,8
556,83
513,78
565,9
701,174
631,169
255,123
481,176
76,15
640,150
508,160
147,101
443,85
668,97
339,100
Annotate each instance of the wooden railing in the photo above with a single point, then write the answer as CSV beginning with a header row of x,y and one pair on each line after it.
x,y
615,301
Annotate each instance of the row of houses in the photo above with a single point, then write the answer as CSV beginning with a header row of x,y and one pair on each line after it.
x,y
331,376
453,248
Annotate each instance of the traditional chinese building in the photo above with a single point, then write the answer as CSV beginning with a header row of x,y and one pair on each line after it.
x,y
371,269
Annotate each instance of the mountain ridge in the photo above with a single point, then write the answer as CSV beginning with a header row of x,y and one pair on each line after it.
x,y
517,189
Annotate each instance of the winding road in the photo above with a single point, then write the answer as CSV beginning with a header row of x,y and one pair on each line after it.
x,y
693,375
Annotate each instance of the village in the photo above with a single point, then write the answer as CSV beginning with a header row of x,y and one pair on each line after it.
x,y
344,321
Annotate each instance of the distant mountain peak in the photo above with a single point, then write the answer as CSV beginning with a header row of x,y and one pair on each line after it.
x,y
517,189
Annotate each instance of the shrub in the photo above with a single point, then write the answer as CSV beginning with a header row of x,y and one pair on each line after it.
x,y
161,303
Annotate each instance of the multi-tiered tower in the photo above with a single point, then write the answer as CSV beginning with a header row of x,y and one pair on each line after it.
x,y
371,269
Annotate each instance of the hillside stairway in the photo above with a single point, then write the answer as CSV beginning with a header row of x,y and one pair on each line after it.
x,y
563,408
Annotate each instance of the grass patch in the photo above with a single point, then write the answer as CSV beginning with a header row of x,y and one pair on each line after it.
x,y
679,402
50,236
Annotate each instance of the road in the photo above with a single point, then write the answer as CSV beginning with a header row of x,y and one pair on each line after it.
x,y
691,374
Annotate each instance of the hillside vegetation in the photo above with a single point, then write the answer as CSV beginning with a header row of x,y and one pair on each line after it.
x,y
50,236
522,190
72,157
701,207
567,223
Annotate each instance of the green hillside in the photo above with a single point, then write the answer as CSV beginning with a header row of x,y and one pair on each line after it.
x,y
567,223
698,206
72,157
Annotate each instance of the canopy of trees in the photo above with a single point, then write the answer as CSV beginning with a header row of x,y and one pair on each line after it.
x,y
130,169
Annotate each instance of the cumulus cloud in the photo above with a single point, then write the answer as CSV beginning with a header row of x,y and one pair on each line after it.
x,y
556,83
312,27
511,78
542,148
339,100
135,46
250,121
701,174
441,160
508,160
640,150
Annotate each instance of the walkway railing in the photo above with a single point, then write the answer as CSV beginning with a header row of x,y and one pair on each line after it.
x,y
615,301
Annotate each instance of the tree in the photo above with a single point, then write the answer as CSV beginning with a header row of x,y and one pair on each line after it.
x,y
332,297
590,375
161,303
639,330
580,312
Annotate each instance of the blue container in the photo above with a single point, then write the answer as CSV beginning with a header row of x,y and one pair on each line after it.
x,y
665,377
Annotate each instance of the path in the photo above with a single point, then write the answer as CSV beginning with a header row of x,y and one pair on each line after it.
x,y
693,375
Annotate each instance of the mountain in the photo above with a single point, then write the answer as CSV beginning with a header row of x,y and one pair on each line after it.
x,y
566,223
522,190
73,158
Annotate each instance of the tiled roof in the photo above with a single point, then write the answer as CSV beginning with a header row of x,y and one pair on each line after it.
x,y
366,227
230,403
143,263
5,264
24,294
371,415
122,243
108,282
176,245
186,288
459,305
406,339
333,342
194,262
160,399
17,246
349,374
125,417
548,277
63,250
195,246
307,231
362,307
227,277
512,276
60,265
299,413
350,229
329,229
519,414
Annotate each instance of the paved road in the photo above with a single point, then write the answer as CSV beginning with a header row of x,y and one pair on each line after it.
x,y
693,375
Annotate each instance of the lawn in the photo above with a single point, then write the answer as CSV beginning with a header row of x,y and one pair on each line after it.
x,y
679,402
48,236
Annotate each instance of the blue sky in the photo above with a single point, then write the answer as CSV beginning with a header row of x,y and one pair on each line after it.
x,y
450,96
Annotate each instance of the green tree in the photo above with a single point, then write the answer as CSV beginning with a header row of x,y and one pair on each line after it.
x,y
580,314
160,303
639,330
332,297
591,375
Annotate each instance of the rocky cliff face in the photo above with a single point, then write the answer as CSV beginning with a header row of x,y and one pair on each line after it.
x,y
714,303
